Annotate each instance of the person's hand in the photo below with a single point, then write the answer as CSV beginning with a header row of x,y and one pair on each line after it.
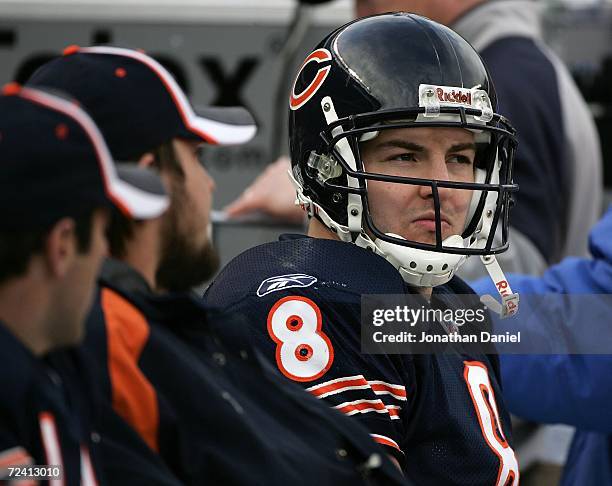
x,y
271,193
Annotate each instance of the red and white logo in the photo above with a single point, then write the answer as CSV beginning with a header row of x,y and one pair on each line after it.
x,y
447,95
462,96
296,101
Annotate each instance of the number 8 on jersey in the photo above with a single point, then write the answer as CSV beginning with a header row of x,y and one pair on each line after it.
x,y
303,350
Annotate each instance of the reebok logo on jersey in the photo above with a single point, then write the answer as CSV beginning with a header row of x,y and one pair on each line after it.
x,y
282,282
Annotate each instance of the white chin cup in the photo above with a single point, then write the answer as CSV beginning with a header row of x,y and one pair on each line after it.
x,y
423,268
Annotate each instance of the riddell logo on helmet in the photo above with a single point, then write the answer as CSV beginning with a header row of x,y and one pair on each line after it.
x,y
454,96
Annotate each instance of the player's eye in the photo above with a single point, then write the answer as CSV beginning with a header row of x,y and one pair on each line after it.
x,y
404,157
460,159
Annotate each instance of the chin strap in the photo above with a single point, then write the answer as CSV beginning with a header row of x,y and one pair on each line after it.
x,y
509,300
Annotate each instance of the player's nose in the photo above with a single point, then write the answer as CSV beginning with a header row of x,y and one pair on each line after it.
x,y
437,171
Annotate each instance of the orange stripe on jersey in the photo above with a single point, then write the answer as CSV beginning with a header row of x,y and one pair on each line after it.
x,y
362,406
381,439
393,411
381,388
133,395
339,385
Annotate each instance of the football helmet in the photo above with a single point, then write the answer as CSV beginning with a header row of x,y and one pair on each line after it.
x,y
392,71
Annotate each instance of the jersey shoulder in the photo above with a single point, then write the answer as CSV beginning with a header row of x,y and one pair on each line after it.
x,y
327,268
299,301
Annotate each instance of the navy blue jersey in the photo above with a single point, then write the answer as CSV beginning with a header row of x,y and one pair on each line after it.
x,y
45,414
440,415
214,411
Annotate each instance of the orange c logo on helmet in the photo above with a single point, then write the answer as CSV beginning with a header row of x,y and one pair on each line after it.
x,y
298,100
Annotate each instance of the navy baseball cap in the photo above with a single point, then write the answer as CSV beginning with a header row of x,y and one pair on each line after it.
x,y
136,102
54,163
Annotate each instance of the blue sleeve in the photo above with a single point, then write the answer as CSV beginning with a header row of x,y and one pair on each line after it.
x,y
588,460
569,389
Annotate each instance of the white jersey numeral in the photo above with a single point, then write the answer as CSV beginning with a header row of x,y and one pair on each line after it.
x,y
303,350
53,452
477,380
51,443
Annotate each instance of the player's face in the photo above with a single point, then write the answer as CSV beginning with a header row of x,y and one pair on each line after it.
x,y
76,294
198,189
443,154
188,257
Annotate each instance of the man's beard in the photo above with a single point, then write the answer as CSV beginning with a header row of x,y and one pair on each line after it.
x,y
182,266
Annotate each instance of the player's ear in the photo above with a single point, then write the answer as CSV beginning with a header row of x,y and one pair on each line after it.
x,y
60,247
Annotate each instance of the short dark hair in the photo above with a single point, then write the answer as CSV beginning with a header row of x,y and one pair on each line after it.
x,y
17,247
121,229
